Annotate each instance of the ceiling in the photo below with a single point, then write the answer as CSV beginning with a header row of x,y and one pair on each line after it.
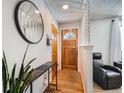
x,y
63,16
103,9
100,9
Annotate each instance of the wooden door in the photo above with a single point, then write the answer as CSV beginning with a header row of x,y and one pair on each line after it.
x,y
69,48
54,47
54,44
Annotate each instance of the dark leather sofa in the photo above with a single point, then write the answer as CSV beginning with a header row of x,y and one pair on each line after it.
x,y
108,77
118,64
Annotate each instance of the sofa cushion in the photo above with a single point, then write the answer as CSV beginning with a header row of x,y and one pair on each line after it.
x,y
112,75
97,55
98,63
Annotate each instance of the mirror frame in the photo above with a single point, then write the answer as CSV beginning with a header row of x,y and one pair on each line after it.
x,y
17,21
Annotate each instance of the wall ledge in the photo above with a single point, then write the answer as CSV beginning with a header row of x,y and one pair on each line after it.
x,y
88,47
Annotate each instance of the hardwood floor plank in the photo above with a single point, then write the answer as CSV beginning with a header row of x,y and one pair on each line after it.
x,y
69,81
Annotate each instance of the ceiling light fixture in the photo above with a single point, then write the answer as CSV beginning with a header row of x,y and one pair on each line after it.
x,y
65,6
36,11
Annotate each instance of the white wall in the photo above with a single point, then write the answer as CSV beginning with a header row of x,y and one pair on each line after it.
x,y
85,58
14,46
85,55
100,37
67,26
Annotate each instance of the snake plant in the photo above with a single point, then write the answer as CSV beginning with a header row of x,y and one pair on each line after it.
x,y
12,84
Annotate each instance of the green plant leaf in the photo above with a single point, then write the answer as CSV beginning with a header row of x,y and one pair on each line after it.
x,y
10,85
13,75
17,86
4,57
25,54
12,79
30,62
21,73
19,80
5,74
26,70
26,80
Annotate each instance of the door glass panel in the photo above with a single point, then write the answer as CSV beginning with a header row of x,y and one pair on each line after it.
x,y
69,35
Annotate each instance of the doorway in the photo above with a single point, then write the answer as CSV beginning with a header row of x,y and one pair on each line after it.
x,y
54,48
69,41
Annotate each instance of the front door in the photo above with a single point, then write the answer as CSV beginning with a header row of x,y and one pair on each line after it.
x,y
69,48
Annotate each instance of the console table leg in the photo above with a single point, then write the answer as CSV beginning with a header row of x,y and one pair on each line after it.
x,y
31,88
56,77
48,79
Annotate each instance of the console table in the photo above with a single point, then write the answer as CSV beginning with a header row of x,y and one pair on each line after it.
x,y
47,67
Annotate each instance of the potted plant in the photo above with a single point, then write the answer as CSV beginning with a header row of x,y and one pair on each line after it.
x,y
12,84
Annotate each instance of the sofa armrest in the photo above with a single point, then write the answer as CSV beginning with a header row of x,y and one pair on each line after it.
x,y
118,64
101,76
116,69
102,72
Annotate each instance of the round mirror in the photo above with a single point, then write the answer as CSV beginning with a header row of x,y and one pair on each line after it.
x,y
29,21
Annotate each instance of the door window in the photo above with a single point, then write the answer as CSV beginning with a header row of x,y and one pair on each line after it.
x,y
69,35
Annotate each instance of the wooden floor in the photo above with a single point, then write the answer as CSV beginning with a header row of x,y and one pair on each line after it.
x,y
69,81
98,89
